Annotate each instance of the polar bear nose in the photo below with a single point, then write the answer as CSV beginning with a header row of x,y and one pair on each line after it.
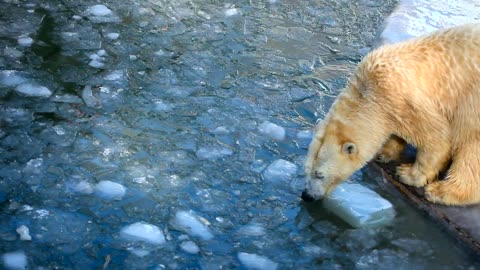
x,y
307,197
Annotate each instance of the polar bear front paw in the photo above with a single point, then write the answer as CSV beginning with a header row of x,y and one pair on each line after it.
x,y
410,175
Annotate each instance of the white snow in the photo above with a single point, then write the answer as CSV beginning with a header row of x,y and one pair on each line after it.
x,y
256,262
10,78
415,18
15,260
113,36
141,231
280,170
99,10
25,41
359,206
110,190
24,233
33,90
272,130
190,224
231,12
190,247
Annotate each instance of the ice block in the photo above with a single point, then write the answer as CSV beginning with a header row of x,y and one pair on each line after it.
x,y
359,206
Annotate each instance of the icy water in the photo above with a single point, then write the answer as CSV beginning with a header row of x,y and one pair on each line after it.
x,y
171,135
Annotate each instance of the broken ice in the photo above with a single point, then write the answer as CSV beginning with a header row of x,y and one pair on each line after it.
x,y
190,247
99,10
141,231
24,233
280,170
213,152
33,90
110,190
10,78
359,206
15,260
113,36
252,230
25,41
272,130
189,223
231,12
256,262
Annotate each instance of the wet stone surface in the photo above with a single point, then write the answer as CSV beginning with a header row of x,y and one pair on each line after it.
x,y
123,117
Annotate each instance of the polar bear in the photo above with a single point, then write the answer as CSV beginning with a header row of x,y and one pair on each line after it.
x,y
424,91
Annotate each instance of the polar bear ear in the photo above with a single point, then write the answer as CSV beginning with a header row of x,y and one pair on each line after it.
x,y
349,148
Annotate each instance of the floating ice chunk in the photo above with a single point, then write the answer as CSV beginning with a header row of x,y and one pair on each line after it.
x,y
252,230
33,166
10,78
110,190
190,247
204,15
101,52
190,224
139,252
305,134
76,17
359,206
88,98
12,52
114,75
67,98
24,233
141,231
231,12
82,187
25,41
99,10
113,36
256,262
213,152
280,170
274,131
15,260
96,64
33,90
162,106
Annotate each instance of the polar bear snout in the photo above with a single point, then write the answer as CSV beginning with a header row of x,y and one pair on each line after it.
x,y
307,197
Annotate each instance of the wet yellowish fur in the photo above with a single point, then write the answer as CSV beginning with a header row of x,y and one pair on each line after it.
x,y
423,91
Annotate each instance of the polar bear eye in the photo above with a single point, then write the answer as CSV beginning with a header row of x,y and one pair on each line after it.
x,y
349,148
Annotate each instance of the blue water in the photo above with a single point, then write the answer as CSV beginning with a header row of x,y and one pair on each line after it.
x,y
166,99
